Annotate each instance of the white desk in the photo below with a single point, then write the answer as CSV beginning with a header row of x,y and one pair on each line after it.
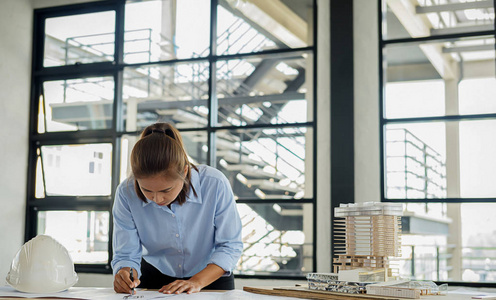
x,y
108,294
305,293
248,293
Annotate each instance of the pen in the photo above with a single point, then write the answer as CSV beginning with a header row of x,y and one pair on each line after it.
x,y
132,279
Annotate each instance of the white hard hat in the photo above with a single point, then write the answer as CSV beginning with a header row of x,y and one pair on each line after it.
x,y
42,265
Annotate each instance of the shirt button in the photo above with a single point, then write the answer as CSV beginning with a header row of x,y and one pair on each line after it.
x,y
177,234
179,251
180,266
173,216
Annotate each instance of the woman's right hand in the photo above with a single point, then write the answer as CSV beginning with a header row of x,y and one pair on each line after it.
x,y
123,283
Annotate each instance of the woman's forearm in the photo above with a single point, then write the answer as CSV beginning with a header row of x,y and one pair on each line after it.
x,y
211,273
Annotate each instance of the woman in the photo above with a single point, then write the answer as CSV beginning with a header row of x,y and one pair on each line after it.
x,y
175,224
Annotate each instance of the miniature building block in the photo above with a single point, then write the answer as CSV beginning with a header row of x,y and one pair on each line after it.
x,y
406,289
367,237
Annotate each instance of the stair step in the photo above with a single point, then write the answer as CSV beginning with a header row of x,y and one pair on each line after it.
x,y
233,157
252,171
274,196
182,116
265,184
221,143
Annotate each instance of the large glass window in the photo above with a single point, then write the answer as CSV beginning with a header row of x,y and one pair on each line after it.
x,y
253,26
425,18
437,124
266,90
76,104
277,239
176,93
236,78
266,164
85,234
165,30
79,39
76,170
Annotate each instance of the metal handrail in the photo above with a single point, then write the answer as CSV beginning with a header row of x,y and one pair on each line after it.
x,y
441,254
426,153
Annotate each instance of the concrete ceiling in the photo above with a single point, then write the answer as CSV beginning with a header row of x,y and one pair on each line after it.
x,y
299,7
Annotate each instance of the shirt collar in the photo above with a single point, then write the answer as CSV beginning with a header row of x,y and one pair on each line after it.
x,y
190,197
195,183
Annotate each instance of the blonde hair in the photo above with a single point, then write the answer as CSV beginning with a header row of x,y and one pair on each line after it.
x,y
160,151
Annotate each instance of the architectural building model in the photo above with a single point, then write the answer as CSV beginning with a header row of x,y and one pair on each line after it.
x,y
406,289
366,240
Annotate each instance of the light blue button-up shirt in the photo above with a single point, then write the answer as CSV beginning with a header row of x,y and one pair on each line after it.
x,y
182,240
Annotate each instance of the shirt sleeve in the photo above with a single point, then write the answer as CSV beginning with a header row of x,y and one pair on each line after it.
x,y
228,243
125,240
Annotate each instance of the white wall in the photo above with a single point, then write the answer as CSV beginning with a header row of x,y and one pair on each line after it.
x,y
16,22
15,74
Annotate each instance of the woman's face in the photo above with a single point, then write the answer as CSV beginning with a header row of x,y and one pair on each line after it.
x,y
160,189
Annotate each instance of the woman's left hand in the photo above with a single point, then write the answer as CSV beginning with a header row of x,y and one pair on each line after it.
x,y
181,286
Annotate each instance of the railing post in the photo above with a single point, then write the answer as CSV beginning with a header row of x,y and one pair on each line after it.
x,y
412,267
406,163
437,262
426,177
149,81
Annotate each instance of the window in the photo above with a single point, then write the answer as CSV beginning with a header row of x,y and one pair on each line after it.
x,y
238,83
437,134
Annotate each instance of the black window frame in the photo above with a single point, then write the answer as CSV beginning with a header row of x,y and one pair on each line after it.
x,y
383,121
114,134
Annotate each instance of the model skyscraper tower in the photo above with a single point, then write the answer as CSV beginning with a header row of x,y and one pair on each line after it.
x,y
367,236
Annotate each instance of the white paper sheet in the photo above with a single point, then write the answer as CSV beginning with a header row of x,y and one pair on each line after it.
x,y
85,293
108,293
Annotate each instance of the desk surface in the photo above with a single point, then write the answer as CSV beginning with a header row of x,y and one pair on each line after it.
x,y
282,293
107,293
305,293
75,293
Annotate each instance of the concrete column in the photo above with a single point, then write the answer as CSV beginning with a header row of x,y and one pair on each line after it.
x,y
323,139
168,30
366,106
453,180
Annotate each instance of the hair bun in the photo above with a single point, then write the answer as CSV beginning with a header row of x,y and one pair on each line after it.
x,y
158,131
168,132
